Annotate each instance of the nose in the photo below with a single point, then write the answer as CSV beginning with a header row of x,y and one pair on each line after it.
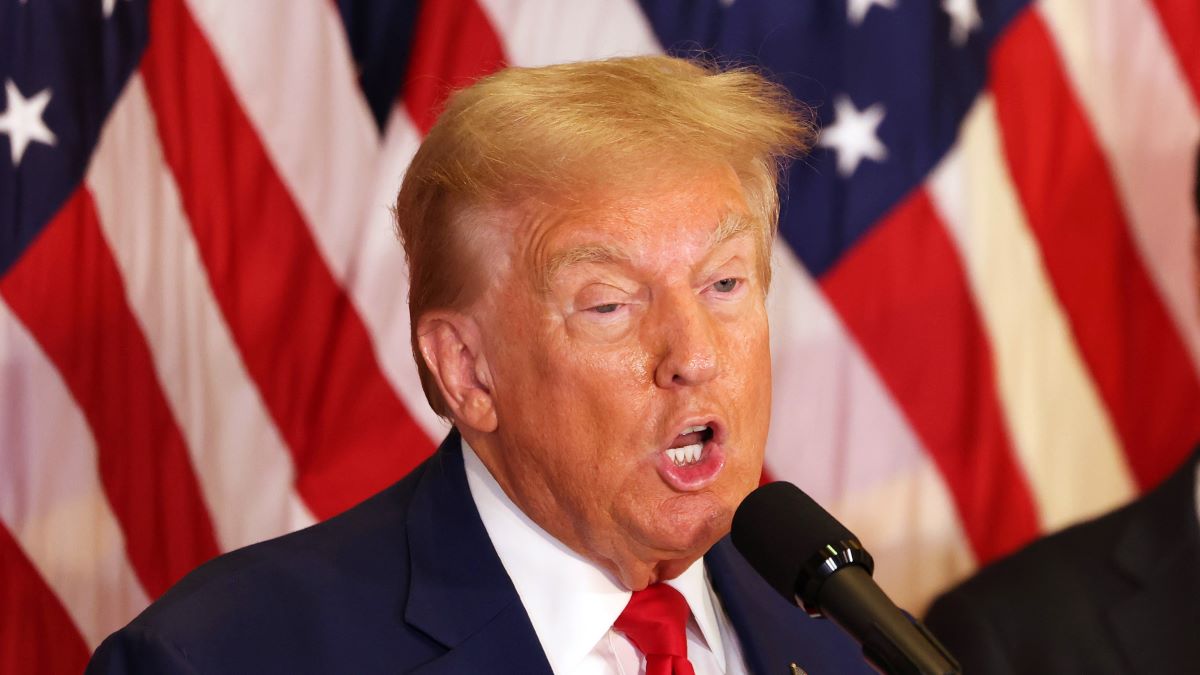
x,y
687,343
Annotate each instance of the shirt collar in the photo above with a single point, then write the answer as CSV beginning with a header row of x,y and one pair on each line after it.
x,y
571,602
694,586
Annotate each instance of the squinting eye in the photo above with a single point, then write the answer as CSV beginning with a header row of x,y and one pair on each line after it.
x,y
605,309
726,285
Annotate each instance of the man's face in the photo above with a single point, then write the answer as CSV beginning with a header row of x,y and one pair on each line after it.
x,y
630,372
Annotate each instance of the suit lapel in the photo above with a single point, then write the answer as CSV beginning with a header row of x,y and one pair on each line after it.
x,y
773,633
1158,556
460,594
507,643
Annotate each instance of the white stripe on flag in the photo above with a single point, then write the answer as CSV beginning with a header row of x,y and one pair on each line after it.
x,y
839,435
1054,413
299,89
1129,84
51,498
380,279
541,32
290,66
912,531
240,461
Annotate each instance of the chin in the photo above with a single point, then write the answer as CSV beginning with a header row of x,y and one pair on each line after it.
x,y
689,530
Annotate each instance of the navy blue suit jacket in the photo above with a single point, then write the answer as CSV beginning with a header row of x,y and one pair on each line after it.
x,y
408,581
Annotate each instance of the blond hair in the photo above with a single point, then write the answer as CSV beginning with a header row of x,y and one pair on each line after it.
x,y
557,135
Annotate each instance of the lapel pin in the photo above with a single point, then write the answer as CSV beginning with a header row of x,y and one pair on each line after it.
x,y
797,670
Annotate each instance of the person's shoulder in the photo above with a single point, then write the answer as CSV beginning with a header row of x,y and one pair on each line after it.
x,y
339,553
1044,604
347,572
1076,563
1047,567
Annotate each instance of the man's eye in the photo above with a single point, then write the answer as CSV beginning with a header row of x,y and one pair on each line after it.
x,y
725,285
606,309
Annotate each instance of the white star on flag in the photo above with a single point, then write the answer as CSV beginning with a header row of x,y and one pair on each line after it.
x,y
964,18
857,10
22,120
853,135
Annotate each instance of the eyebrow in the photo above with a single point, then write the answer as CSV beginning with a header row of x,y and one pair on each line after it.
x,y
580,255
730,226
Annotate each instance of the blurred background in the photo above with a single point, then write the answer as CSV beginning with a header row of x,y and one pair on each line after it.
x,y
985,320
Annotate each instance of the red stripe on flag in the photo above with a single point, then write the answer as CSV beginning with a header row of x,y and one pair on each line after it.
x,y
36,635
1181,23
67,291
1136,357
455,44
301,338
903,294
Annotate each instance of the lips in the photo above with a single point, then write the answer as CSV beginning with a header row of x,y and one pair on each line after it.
x,y
694,457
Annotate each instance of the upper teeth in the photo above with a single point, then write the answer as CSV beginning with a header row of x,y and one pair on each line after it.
x,y
688,454
692,430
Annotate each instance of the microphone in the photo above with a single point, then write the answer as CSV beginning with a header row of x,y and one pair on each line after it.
x,y
812,560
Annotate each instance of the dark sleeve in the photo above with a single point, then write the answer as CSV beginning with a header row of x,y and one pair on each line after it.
x,y
134,651
967,633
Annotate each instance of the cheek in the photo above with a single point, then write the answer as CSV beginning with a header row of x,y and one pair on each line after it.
x,y
749,350
576,396
749,370
610,377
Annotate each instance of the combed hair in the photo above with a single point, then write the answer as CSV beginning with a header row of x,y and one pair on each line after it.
x,y
551,137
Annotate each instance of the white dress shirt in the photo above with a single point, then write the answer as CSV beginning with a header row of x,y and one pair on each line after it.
x,y
572,603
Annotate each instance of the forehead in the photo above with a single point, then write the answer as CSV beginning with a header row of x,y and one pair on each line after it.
x,y
676,220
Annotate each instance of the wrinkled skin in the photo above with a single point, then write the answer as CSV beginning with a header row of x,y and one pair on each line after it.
x,y
570,387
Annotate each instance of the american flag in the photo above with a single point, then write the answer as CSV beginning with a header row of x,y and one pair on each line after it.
x,y
985,320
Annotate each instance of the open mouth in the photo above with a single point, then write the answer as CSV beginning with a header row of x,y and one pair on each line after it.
x,y
688,446
695,457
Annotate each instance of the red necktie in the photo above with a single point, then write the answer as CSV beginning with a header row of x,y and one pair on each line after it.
x,y
655,622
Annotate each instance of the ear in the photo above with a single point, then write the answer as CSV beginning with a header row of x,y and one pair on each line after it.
x,y
451,343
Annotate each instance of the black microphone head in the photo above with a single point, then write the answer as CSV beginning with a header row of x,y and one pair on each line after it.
x,y
792,541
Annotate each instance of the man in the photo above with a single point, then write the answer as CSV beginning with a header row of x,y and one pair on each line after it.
x,y
589,251
1118,594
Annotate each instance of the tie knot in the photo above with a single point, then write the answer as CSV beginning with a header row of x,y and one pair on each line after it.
x,y
655,621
